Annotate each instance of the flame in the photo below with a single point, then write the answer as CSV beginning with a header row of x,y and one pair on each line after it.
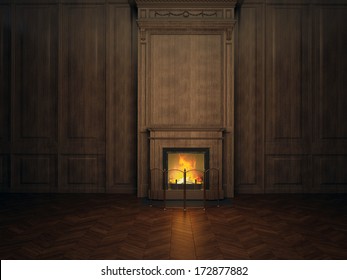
x,y
185,162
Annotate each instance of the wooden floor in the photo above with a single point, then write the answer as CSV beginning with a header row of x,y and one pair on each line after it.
x,y
105,226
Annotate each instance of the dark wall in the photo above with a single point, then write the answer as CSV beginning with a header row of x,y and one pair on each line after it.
x,y
68,96
291,96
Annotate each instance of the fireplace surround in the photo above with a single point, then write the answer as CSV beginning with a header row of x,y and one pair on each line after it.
x,y
186,91
206,142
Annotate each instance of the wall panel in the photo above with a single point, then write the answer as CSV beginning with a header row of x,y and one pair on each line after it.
x,y
122,102
83,98
185,84
5,78
82,173
330,83
35,101
330,173
4,173
34,173
287,87
286,174
249,102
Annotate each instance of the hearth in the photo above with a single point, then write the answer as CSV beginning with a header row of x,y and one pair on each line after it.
x,y
186,166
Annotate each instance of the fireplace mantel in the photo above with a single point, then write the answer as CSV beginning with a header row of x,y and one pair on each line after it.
x,y
185,82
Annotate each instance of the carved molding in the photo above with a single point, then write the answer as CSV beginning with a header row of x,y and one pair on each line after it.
x,y
185,13
191,3
179,2
143,34
176,24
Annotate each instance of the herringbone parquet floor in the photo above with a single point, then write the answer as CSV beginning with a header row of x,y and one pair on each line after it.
x,y
104,226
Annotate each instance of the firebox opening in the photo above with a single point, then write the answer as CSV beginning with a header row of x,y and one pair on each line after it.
x,y
191,162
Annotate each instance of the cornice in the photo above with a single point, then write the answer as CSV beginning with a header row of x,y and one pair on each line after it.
x,y
185,3
177,24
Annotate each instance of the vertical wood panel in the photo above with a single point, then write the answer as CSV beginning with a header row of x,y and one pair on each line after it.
x,y
185,80
83,105
246,106
286,78
249,100
330,41
35,102
124,118
5,70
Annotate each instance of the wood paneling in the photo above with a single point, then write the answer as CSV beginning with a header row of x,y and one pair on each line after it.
x,y
286,174
67,62
286,110
1,171
68,105
83,173
122,123
82,170
330,173
35,100
34,173
4,173
5,70
249,99
83,99
330,84
186,79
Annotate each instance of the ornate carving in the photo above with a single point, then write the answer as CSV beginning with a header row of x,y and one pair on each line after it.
x,y
143,34
230,33
214,2
185,14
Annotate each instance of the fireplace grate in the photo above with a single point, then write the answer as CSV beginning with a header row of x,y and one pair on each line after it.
x,y
184,186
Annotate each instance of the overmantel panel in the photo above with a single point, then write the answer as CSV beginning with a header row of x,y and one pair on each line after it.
x,y
185,83
176,46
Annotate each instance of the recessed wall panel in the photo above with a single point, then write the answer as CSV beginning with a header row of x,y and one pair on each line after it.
x,y
286,174
4,172
82,170
5,68
33,173
284,77
36,69
123,91
83,97
330,43
82,173
34,170
246,106
186,80
330,173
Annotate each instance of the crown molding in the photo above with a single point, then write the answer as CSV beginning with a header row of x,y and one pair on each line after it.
x,y
185,3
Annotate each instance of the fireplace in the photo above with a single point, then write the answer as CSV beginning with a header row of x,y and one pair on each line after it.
x,y
185,159
185,98
188,166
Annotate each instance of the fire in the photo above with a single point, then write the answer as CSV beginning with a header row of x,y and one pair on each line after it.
x,y
185,162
